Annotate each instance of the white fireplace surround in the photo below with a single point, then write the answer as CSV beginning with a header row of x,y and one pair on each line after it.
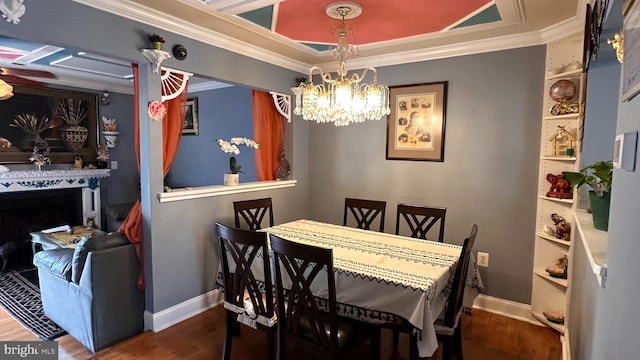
x,y
87,180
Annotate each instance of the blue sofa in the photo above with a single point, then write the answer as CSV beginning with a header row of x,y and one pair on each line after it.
x,y
91,291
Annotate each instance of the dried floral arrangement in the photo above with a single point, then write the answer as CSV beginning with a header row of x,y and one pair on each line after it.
x,y
71,111
31,124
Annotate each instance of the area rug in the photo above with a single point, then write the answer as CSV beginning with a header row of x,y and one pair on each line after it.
x,y
20,297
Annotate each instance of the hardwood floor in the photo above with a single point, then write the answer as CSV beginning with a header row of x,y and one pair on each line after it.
x,y
485,336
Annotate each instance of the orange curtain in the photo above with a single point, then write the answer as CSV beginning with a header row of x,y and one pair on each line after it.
x,y
172,125
268,131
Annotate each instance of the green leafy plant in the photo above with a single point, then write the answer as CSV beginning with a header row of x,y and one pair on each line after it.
x,y
597,175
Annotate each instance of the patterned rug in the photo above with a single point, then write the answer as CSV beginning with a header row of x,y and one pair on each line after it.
x,y
20,297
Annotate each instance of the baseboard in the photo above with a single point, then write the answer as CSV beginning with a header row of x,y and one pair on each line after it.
x,y
506,308
180,312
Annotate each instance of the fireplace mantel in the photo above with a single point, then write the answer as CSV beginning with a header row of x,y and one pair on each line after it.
x,y
88,180
51,179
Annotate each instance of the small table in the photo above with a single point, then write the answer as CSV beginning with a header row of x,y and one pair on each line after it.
x,y
59,239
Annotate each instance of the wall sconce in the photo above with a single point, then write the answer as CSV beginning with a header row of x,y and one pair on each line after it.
x,y
618,45
104,99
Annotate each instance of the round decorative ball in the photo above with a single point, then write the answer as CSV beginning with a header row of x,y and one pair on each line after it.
x,y
562,90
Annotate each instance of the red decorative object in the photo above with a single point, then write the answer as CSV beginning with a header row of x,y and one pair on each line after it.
x,y
560,187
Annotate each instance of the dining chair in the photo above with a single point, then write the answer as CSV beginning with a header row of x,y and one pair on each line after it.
x,y
244,301
420,219
306,323
253,212
365,212
449,327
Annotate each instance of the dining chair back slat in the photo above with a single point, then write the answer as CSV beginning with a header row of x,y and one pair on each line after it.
x,y
253,213
364,212
303,323
244,297
420,220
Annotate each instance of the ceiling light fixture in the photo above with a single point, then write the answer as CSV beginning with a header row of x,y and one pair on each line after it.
x,y
346,99
6,90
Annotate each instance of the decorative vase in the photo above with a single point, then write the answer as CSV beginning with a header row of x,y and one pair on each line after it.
x,y
101,164
156,45
600,210
75,137
231,179
111,138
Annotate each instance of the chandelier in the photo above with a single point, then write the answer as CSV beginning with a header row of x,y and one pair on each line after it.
x,y
345,99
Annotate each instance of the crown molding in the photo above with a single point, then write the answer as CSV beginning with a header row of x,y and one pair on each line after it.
x,y
142,14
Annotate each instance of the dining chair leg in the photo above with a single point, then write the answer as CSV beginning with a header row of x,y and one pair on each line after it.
x,y
229,333
374,341
396,339
446,348
457,341
413,348
271,345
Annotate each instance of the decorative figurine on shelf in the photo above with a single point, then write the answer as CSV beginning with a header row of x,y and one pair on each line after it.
x,y
40,159
156,41
103,156
556,317
562,91
562,140
559,270
77,162
563,228
560,187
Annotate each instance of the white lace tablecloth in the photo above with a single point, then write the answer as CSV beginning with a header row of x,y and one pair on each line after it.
x,y
388,274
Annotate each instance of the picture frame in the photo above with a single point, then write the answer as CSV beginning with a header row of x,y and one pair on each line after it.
x,y
631,69
416,124
43,103
191,124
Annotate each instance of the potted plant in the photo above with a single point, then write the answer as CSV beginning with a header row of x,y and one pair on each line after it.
x,y
156,41
599,176
231,147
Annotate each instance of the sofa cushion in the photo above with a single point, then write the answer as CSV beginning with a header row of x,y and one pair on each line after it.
x,y
98,240
55,261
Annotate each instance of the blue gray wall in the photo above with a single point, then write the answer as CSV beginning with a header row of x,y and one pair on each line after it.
x,y
223,114
179,247
489,175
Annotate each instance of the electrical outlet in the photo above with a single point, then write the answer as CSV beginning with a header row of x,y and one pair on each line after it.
x,y
114,165
483,259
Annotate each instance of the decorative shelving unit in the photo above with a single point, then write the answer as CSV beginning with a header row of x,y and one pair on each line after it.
x,y
550,293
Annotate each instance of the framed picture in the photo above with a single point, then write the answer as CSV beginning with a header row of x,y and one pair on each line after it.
x,y
631,69
416,124
191,126
63,121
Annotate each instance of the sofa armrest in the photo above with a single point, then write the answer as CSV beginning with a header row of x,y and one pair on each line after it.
x,y
55,261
